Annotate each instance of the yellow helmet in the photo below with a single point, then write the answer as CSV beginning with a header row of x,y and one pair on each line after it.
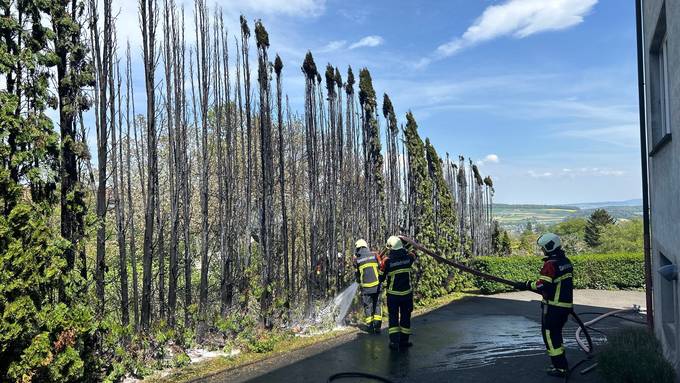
x,y
394,243
360,243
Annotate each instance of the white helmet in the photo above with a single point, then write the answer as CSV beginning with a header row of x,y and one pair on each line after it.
x,y
394,243
549,242
360,243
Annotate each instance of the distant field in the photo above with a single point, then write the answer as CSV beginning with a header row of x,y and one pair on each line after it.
x,y
511,216
515,217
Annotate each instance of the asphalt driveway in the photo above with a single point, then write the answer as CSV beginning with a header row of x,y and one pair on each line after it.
x,y
476,339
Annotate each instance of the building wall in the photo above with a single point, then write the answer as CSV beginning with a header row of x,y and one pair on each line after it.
x,y
664,177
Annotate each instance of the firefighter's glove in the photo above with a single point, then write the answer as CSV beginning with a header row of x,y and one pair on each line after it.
x,y
521,286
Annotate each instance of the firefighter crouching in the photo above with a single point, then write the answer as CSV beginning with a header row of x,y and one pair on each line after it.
x,y
397,272
368,276
555,284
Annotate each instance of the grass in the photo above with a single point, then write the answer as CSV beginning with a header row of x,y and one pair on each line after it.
x,y
634,356
285,344
212,366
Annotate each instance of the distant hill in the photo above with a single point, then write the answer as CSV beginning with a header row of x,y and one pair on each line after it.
x,y
618,212
515,217
595,205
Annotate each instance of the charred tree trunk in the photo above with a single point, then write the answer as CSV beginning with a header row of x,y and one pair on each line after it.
x,y
131,212
278,66
148,13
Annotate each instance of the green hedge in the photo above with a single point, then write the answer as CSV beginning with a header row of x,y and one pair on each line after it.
x,y
591,271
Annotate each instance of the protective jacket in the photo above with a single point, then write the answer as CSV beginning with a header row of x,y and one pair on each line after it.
x,y
368,271
397,269
555,282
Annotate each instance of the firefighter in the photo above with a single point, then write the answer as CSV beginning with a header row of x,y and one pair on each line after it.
x,y
397,272
368,276
555,284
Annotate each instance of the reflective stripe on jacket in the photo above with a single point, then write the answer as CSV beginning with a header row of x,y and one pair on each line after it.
x,y
368,273
556,282
397,269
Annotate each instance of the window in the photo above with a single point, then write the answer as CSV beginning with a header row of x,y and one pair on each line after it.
x,y
660,116
668,305
663,71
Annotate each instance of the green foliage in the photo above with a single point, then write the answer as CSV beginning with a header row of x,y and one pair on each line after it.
x,y
40,339
278,65
500,241
245,30
432,278
625,236
309,66
591,271
527,242
330,80
349,86
264,342
261,35
599,220
634,356
575,226
388,113
366,92
180,360
506,244
46,330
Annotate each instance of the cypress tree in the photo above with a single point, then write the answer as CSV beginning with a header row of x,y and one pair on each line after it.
x,y
430,276
43,338
444,214
596,222
374,159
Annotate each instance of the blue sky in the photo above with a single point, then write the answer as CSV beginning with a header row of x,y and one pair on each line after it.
x,y
543,93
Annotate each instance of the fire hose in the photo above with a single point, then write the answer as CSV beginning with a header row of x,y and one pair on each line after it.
x,y
582,327
587,347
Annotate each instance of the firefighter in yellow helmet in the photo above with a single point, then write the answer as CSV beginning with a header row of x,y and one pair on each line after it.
x,y
397,271
368,273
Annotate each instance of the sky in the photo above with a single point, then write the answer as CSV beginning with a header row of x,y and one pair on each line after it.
x,y
542,94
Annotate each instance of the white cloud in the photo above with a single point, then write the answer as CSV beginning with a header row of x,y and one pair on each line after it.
x,y
368,41
303,8
516,18
333,46
490,158
626,136
580,172
535,174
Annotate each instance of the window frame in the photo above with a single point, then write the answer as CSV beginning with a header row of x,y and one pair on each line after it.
x,y
659,88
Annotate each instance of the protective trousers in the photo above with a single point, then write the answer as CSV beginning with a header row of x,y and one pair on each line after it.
x,y
372,310
552,322
399,308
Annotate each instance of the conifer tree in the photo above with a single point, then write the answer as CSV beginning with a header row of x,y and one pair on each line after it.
x,y
599,219
374,158
430,276
36,263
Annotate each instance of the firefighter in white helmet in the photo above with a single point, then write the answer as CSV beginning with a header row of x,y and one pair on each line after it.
x,y
397,267
555,284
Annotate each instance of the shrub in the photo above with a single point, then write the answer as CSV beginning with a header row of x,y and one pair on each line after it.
x,y
181,359
591,271
624,236
634,356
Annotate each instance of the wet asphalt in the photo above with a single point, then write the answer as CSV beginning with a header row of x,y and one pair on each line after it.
x,y
476,339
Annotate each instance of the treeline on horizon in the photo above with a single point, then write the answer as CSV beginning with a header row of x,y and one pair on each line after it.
x,y
217,201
